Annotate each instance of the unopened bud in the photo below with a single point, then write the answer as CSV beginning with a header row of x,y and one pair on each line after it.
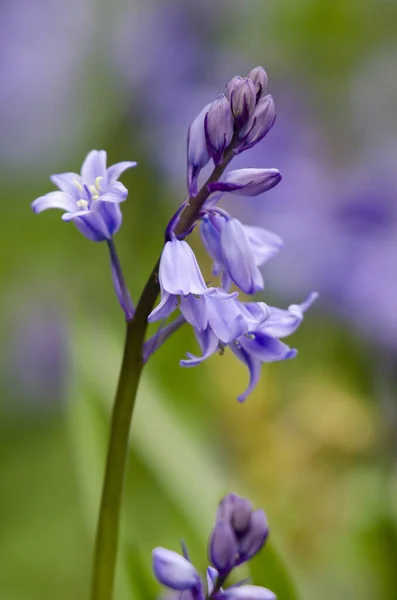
x,y
247,182
259,78
197,153
255,537
173,570
260,122
218,127
242,96
241,515
223,547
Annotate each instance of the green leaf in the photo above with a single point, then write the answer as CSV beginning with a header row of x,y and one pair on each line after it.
x,y
269,570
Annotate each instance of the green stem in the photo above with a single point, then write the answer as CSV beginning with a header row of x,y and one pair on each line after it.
x,y
107,533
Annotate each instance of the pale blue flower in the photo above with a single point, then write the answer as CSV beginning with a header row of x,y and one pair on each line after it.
x,y
91,200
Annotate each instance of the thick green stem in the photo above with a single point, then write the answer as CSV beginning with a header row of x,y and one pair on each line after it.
x,y
107,533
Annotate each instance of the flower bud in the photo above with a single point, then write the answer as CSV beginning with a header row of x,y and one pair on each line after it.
x,y
247,182
242,99
255,536
218,127
223,547
197,153
173,570
259,124
259,79
248,592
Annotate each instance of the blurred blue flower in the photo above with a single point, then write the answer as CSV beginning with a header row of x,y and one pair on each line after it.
x,y
44,46
91,200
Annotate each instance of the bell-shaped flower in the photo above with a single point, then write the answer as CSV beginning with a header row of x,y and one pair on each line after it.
x,y
197,153
179,276
260,343
91,199
247,182
174,571
218,126
238,250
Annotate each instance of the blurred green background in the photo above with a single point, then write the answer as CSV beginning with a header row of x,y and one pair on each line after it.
x,y
315,445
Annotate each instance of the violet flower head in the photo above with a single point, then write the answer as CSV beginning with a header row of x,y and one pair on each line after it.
x,y
91,200
239,534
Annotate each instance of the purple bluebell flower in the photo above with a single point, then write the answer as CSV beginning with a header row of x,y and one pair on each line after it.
x,y
261,342
238,250
238,535
218,127
91,200
179,276
247,182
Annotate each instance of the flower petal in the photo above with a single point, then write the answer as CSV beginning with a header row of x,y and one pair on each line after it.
x,y
284,322
266,348
173,570
117,169
110,212
225,317
238,259
195,311
94,166
90,223
264,244
68,182
54,200
179,272
212,576
209,344
165,307
254,366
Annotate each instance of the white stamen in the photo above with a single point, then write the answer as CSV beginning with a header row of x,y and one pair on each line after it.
x,y
82,203
78,185
98,183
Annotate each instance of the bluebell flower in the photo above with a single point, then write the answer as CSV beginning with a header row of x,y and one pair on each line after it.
x,y
91,200
238,535
238,250
179,277
260,343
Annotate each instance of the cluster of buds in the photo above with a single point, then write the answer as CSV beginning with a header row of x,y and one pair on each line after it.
x,y
235,121
238,535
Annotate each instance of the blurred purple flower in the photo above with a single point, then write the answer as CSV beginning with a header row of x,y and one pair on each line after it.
x,y
43,45
37,355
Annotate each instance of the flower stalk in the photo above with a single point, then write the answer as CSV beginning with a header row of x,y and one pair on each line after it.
x,y
107,533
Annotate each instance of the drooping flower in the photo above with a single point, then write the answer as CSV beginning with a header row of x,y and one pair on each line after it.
x,y
261,343
247,182
238,250
91,200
